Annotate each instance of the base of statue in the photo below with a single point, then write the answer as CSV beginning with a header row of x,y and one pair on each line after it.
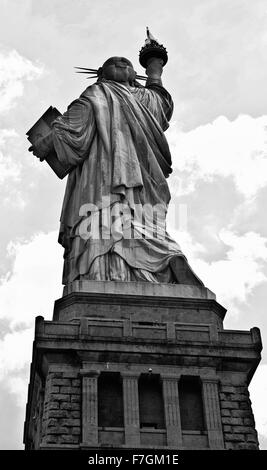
x,y
129,336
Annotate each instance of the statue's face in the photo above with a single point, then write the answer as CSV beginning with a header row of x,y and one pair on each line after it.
x,y
118,69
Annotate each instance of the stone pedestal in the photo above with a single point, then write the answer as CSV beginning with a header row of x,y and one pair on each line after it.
x,y
131,330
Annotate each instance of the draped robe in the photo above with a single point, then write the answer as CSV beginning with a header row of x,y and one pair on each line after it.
x,y
113,138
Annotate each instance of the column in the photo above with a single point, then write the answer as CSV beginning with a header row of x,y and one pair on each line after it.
x,y
89,408
172,411
131,409
212,413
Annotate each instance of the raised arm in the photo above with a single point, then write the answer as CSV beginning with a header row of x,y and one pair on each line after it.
x,y
154,96
154,71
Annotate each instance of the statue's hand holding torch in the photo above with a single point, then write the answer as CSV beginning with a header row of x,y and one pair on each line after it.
x,y
154,67
153,56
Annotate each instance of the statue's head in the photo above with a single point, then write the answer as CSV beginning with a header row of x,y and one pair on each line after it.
x,y
118,69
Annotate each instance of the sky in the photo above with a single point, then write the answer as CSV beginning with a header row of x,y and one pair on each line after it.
x,y
217,75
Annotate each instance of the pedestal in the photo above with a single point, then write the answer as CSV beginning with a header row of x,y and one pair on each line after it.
x,y
126,332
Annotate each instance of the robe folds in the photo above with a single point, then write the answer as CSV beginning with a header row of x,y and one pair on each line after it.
x,y
112,224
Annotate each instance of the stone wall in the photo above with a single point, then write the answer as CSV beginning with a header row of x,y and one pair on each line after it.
x,y
62,402
237,418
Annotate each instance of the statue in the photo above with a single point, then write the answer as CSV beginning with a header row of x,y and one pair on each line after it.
x,y
111,142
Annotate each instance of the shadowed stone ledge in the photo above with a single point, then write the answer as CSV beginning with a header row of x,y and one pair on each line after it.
x,y
140,288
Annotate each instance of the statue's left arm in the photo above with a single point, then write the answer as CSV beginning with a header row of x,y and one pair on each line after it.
x,y
71,136
73,133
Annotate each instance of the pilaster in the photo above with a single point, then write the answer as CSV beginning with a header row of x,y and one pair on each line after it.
x,y
212,413
172,410
89,408
131,409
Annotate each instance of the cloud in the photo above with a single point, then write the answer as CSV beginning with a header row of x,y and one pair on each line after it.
x,y
258,393
15,353
18,386
35,281
14,71
233,277
12,419
222,148
8,167
28,291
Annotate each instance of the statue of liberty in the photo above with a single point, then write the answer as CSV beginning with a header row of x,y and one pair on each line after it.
x,y
111,143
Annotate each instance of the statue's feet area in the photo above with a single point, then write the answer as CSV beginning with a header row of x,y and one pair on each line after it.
x,y
183,272
112,267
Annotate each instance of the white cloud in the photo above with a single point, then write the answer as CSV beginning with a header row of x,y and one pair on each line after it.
x,y
8,168
234,277
258,393
30,290
189,247
14,70
223,148
15,356
35,281
19,387
249,246
15,352
14,198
